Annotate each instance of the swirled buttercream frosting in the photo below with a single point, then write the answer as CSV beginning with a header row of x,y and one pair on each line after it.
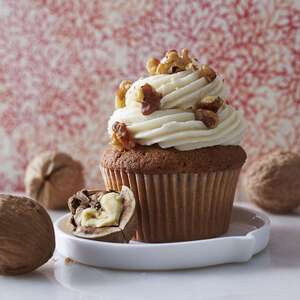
x,y
176,123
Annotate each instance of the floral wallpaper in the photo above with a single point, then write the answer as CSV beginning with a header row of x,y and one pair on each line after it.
x,y
61,61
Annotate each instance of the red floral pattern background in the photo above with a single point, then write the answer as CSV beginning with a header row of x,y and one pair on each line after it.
x,y
61,61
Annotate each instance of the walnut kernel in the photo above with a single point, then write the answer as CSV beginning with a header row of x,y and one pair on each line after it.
x,y
149,98
208,117
207,72
212,103
121,92
151,66
185,56
121,137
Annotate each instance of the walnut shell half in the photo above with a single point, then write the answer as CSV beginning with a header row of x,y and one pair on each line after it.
x,y
26,234
122,233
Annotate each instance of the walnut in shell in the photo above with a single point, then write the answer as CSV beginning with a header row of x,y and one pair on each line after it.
x,y
52,177
104,215
273,182
26,234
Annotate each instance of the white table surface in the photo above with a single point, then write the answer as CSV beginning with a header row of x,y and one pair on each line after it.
x,y
273,274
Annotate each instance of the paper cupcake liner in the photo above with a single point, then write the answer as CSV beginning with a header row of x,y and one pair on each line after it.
x,y
179,207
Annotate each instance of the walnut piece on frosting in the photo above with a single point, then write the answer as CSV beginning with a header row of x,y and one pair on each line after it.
x,y
208,117
121,137
206,110
212,103
149,98
207,72
152,65
121,92
186,57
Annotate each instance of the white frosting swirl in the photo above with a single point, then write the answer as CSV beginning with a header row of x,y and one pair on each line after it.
x,y
174,125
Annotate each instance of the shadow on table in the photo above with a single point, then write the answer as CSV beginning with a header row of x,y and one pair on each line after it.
x,y
284,247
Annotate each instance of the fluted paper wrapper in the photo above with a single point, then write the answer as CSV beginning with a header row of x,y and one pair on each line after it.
x,y
180,206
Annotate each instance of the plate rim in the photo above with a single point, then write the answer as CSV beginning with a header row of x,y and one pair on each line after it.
x,y
141,246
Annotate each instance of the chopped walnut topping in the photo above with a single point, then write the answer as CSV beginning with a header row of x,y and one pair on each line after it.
x,y
171,63
149,98
207,72
121,92
208,117
212,103
121,137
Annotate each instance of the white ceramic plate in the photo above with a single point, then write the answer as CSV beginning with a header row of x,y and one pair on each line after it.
x,y
248,234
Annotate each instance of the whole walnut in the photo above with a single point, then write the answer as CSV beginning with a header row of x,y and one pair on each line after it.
x,y
273,182
26,235
52,177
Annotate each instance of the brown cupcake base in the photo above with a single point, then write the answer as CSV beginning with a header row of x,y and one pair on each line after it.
x,y
154,160
179,206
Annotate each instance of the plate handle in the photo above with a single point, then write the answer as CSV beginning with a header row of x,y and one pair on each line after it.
x,y
243,248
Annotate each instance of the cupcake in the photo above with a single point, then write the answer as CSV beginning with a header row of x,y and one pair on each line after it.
x,y
175,143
